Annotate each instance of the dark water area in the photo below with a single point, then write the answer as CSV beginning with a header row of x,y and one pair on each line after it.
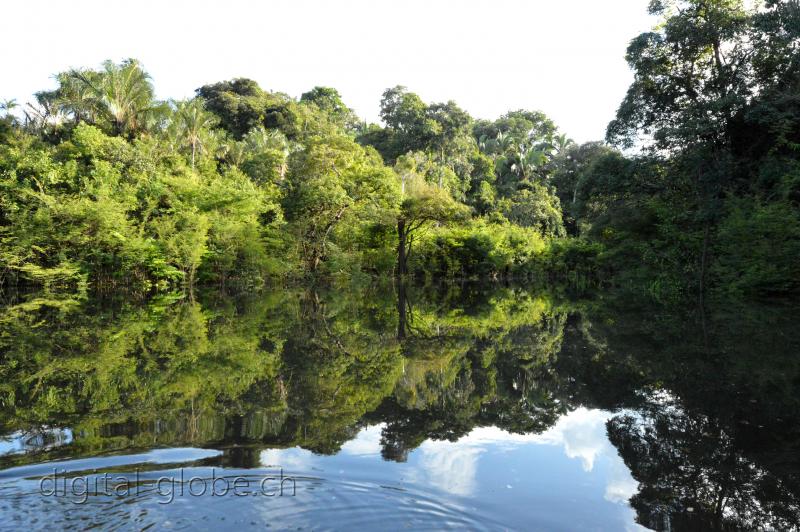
x,y
386,407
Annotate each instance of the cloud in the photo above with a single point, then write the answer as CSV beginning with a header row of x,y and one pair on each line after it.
x,y
367,442
582,433
453,466
294,459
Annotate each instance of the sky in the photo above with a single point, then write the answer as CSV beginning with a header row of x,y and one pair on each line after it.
x,y
570,474
565,57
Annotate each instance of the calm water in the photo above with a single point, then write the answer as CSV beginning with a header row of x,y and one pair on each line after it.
x,y
382,407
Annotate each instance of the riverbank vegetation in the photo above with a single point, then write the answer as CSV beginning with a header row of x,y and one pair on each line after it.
x,y
695,189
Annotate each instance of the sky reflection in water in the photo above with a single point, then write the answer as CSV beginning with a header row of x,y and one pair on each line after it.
x,y
480,407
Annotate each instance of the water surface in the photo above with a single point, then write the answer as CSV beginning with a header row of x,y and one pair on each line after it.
x,y
385,407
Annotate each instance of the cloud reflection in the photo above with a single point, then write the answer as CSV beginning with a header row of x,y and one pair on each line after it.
x,y
453,466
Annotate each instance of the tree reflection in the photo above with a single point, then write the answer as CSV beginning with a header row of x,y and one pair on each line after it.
x,y
692,475
708,407
711,427
303,367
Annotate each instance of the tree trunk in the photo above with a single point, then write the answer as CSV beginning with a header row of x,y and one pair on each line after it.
x,y
704,260
401,310
401,247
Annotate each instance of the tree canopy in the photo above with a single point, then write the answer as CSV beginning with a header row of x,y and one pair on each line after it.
x,y
694,190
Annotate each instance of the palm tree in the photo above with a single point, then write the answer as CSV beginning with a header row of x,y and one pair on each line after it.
x,y
75,95
193,124
260,140
498,145
485,144
8,105
233,151
121,93
504,141
125,94
529,160
561,143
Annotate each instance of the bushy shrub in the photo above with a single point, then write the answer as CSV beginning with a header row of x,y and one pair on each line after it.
x,y
757,247
479,249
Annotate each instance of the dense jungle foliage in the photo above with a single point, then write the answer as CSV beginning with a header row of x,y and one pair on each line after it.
x,y
696,187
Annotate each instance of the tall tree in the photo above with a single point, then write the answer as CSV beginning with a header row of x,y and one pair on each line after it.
x,y
239,104
121,94
329,101
422,204
194,126
691,80
8,105
332,180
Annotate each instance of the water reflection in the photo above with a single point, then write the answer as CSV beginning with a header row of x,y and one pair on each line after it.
x,y
479,406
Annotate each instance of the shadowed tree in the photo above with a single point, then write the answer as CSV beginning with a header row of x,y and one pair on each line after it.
x,y
692,79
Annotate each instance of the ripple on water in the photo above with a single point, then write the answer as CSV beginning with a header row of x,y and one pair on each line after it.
x,y
319,503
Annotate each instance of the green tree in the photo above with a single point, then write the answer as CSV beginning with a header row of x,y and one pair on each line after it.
x,y
693,81
329,101
8,105
422,204
537,207
238,104
194,126
572,172
120,95
330,181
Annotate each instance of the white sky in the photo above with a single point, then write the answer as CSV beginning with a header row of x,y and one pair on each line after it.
x,y
563,57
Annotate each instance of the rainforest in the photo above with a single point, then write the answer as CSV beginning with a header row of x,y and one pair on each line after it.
x,y
694,190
